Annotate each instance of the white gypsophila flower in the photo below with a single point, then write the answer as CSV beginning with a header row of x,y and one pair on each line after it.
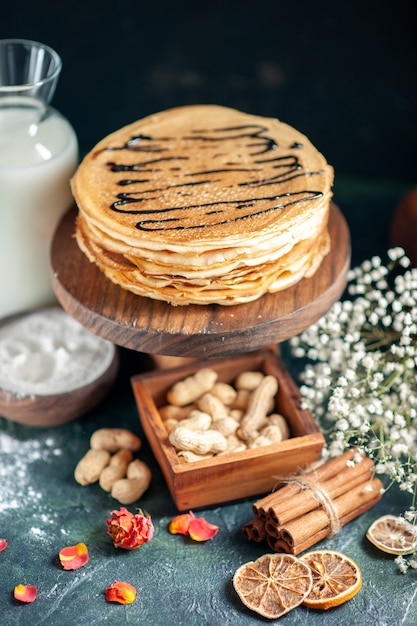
x,y
409,516
402,564
360,375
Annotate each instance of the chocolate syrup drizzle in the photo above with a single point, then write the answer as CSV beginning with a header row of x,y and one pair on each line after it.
x,y
277,169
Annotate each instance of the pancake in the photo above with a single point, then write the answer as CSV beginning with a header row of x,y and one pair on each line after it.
x,y
204,204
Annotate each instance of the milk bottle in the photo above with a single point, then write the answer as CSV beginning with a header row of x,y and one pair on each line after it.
x,y
38,155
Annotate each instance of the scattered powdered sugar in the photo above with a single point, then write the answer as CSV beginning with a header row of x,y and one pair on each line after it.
x,y
17,459
49,352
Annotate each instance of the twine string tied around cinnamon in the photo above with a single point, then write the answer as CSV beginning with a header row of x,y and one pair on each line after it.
x,y
321,495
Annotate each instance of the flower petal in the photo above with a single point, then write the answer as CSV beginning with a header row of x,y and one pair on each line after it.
x,y
121,592
74,557
180,524
201,530
195,527
3,544
25,593
129,531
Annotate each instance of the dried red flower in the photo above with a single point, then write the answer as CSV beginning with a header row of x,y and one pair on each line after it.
x,y
195,527
25,593
121,592
3,544
128,530
74,557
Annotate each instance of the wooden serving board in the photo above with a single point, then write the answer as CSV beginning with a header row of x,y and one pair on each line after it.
x,y
157,327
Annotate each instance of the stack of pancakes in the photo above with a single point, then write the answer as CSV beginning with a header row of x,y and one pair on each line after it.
x,y
204,204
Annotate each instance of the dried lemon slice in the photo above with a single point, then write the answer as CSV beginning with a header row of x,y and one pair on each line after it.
x,y
393,534
273,584
336,578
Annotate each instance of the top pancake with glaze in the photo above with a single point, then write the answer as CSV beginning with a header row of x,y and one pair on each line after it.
x,y
204,204
192,177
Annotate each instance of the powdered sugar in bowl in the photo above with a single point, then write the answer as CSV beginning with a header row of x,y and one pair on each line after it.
x,y
52,370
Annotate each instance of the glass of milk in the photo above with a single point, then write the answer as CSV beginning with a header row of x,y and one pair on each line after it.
x,y
38,155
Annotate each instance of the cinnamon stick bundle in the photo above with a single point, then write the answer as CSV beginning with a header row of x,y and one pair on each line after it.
x,y
255,529
314,505
282,497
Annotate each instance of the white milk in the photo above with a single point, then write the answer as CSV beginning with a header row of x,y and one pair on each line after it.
x,y
37,160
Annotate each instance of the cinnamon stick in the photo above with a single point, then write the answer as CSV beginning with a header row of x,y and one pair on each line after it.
x,y
262,507
284,494
296,532
255,529
316,504
335,486
280,545
271,529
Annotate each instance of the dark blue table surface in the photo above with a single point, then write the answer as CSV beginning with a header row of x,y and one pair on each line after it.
x,y
346,78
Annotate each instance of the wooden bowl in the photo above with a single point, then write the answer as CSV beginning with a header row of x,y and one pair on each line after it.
x,y
403,227
45,410
237,475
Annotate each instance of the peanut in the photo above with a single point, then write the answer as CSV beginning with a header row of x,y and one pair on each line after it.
x,y
259,442
89,468
258,405
237,414
241,401
271,405
207,417
268,435
234,444
128,490
249,380
170,411
187,456
115,470
272,432
212,405
114,439
200,442
138,469
198,420
279,420
188,390
224,392
226,425
170,424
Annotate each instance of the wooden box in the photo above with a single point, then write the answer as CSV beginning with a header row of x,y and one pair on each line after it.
x,y
239,474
